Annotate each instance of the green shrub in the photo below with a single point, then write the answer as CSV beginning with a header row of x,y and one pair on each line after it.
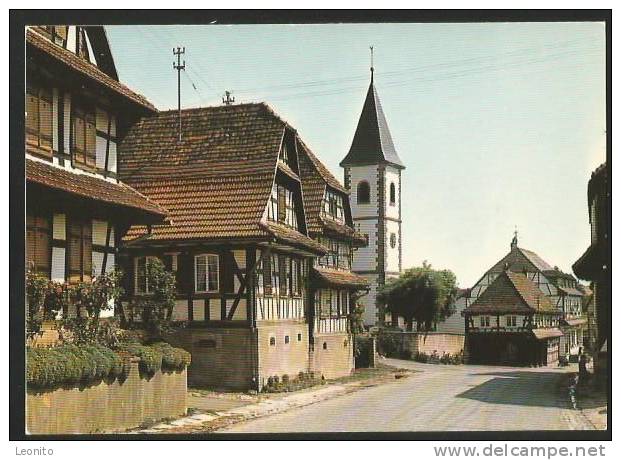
x,y
71,365
150,357
174,359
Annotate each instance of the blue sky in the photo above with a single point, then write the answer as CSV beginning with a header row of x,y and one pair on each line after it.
x,y
499,125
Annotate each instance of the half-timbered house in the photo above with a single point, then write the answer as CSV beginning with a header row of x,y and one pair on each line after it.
x,y
512,323
240,240
334,287
560,289
77,111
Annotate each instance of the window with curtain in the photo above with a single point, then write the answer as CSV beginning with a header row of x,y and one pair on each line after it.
x,y
206,273
79,248
38,243
39,120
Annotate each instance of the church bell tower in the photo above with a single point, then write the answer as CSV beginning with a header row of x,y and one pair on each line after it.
x,y
373,176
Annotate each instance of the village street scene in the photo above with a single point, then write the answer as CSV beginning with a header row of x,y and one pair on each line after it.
x,y
316,229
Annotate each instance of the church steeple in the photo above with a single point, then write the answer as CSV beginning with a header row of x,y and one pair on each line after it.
x,y
372,143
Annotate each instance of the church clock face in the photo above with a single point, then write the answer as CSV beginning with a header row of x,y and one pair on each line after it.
x,y
393,240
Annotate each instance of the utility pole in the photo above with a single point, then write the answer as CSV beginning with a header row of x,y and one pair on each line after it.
x,y
228,99
179,67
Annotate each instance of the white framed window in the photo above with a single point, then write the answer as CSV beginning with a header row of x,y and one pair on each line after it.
x,y
484,321
206,273
141,282
511,321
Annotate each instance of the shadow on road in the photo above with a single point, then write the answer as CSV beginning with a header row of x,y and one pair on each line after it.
x,y
520,388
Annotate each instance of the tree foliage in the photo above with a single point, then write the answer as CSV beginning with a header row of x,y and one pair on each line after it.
x,y
422,295
156,307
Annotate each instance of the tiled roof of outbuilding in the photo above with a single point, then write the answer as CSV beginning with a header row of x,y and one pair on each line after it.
x,y
511,293
520,259
216,181
91,187
85,68
341,278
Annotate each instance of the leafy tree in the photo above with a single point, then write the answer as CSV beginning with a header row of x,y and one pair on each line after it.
x,y
422,295
156,307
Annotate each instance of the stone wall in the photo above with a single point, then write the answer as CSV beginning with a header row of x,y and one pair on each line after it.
x,y
222,358
278,357
428,342
336,359
105,406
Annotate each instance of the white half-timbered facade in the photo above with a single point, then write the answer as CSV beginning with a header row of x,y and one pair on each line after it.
x,y
560,290
240,242
76,111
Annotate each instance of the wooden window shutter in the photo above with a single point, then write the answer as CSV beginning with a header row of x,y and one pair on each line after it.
x,y
91,137
74,247
45,120
61,32
38,243
87,250
267,275
282,204
32,117
79,139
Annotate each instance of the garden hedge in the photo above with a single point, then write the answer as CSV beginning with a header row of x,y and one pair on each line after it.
x,y
73,364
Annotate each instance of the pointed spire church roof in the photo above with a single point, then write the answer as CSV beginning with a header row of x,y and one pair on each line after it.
x,y
372,143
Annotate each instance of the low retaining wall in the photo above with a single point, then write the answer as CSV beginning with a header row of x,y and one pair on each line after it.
x,y
107,406
428,342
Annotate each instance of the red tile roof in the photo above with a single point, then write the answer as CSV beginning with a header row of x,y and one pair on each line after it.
x,y
87,186
85,68
315,178
511,293
339,278
519,259
216,181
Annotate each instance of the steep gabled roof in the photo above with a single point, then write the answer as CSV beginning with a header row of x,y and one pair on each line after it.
x,y
519,260
216,181
315,179
511,293
372,143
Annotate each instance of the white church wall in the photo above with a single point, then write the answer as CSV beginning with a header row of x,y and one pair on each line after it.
x,y
365,258
370,310
392,254
369,174
392,176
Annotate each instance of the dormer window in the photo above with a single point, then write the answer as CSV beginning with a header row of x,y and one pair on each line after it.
x,y
288,152
281,207
333,206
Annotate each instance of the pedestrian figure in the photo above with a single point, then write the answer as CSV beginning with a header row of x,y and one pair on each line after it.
x,y
582,370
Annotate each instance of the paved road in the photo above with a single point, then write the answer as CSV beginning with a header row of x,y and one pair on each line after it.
x,y
439,398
